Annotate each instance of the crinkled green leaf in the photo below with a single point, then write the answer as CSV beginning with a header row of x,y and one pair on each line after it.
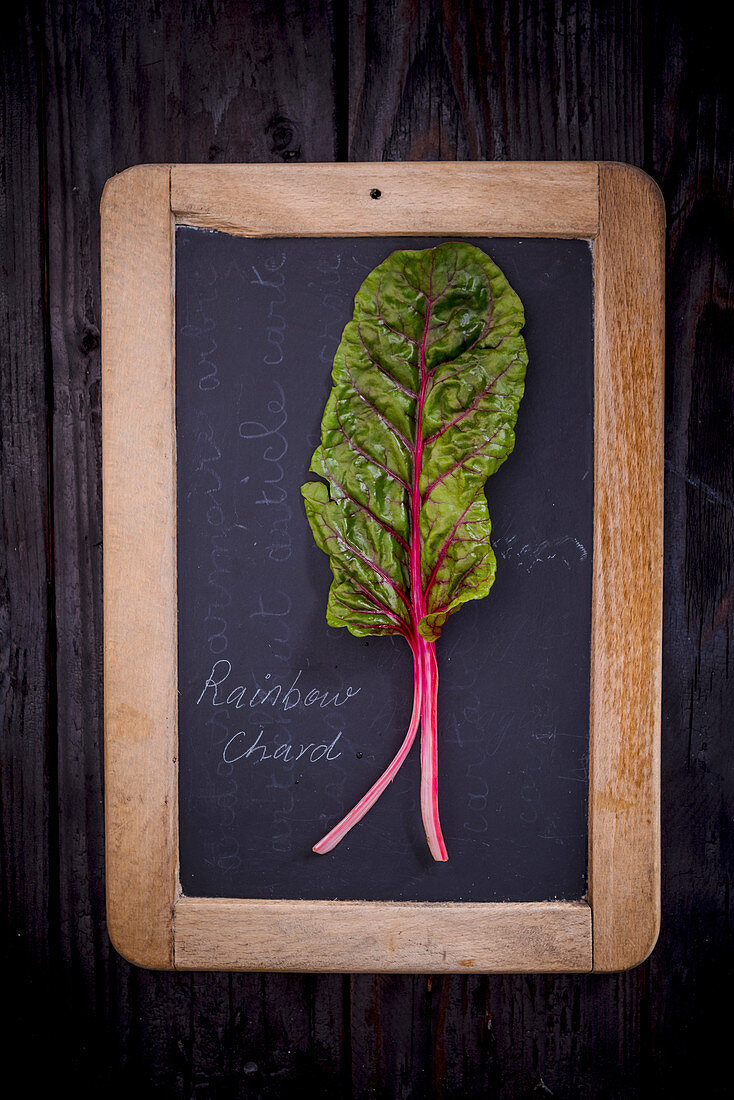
x,y
427,381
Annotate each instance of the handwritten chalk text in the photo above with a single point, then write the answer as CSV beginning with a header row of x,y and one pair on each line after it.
x,y
257,752
237,696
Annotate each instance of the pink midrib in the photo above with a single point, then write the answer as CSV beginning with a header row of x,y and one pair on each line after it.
x,y
425,650
416,582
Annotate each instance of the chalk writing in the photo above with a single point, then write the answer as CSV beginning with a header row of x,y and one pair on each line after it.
x,y
567,550
279,607
273,494
333,301
282,793
260,750
274,694
210,482
208,368
275,330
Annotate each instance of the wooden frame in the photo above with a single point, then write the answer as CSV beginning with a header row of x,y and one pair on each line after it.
x,y
150,922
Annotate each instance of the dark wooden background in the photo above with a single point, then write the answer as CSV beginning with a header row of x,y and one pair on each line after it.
x,y
90,88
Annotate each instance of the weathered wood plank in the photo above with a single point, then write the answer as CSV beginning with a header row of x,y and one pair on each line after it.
x,y
73,249
496,80
690,109
28,876
138,468
406,938
504,200
624,810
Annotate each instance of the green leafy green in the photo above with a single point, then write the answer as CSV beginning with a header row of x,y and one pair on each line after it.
x,y
427,381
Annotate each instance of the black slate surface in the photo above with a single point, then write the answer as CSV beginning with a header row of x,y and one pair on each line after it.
x,y
284,722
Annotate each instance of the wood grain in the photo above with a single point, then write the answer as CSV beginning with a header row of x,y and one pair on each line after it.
x,y
624,799
138,472
498,81
504,200
123,84
360,936
28,818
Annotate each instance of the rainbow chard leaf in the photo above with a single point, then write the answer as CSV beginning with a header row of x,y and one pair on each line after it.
x,y
427,381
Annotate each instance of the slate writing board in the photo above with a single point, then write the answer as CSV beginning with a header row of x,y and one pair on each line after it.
x,y
208,861
284,722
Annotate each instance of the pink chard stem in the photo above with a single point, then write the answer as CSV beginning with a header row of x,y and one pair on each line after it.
x,y
339,831
429,755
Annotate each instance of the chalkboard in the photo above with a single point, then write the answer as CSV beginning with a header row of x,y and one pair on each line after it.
x,y
284,722
238,725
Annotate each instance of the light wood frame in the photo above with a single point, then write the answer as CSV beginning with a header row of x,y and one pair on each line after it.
x,y
150,922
